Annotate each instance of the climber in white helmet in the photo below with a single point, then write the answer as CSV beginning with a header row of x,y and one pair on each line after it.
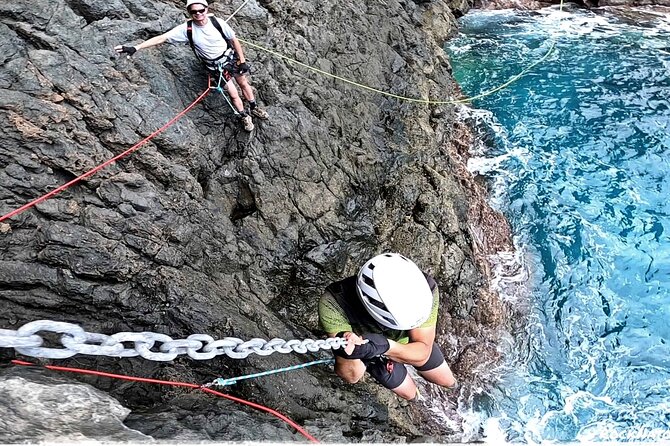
x,y
214,42
392,305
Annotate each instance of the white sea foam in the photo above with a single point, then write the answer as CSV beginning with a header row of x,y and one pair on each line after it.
x,y
592,361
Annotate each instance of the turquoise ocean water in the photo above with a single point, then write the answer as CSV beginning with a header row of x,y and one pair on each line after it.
x,y
577,155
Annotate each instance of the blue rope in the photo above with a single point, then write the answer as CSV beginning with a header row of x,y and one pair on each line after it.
x,y
220,89
230,381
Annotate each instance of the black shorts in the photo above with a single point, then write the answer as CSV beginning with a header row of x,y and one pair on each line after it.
x,y
435,360
386,372
391,374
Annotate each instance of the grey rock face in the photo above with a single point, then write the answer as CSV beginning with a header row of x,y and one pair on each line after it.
x,y
208,229
36,408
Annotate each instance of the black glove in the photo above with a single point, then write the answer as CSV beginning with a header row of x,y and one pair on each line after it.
x,y
376,346
243,67
130,50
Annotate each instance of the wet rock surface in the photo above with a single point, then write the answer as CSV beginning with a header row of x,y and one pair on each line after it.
x,y
209,229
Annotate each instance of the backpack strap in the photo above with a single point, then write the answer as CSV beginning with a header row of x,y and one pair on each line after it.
x,y
217,25
346,296
189,34
229,50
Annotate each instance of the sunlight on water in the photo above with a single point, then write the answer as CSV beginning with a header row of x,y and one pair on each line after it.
x,y
577,157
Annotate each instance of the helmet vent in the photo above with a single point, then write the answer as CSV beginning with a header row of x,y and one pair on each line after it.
x,y
392,321
376,303
369,282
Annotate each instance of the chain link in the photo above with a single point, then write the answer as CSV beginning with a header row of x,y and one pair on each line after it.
x,y
148,345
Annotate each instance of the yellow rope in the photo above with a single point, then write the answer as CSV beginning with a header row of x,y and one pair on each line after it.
x,y
405,98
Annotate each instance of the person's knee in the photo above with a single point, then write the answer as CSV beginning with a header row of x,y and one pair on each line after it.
x,y
409,394
231,89
242,81
407,390
245,87
350,374
448,380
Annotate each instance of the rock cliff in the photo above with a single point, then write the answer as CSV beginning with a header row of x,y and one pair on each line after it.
x,y
208,229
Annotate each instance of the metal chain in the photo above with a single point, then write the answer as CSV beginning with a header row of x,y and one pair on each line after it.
x,y
148,345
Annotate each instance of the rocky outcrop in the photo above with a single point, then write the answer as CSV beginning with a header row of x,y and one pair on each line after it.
x,y
37,408
207,229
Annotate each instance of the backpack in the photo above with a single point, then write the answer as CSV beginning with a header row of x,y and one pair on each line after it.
x,y
217,25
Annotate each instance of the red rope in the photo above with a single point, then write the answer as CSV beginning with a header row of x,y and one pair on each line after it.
x,y
176,384
106,163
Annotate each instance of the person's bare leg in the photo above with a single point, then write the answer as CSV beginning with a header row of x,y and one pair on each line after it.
x,y
234,96
247,91
440,375
407,389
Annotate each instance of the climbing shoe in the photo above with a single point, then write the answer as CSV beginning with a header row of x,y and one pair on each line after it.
x,y
247,123
260,113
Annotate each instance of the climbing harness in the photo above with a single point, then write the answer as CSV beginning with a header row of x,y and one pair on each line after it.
x,y
202,388
197,346
230,381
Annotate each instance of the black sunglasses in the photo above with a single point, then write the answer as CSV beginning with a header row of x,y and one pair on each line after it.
x,y
197,11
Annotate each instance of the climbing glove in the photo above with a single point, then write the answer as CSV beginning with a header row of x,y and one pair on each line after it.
x,y
376,346
130,50
243,67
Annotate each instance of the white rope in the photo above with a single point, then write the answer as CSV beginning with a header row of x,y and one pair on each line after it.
x,y
237,10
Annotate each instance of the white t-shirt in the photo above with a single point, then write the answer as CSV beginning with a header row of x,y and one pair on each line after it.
x,y
206,39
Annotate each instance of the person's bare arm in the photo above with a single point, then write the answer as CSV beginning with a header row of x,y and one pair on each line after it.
x,y
238,50
417,350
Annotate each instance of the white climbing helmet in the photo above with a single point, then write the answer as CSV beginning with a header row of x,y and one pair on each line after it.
x,y
394,291
196,2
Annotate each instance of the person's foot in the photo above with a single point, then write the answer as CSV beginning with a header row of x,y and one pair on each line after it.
x,y
247,123
260,113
